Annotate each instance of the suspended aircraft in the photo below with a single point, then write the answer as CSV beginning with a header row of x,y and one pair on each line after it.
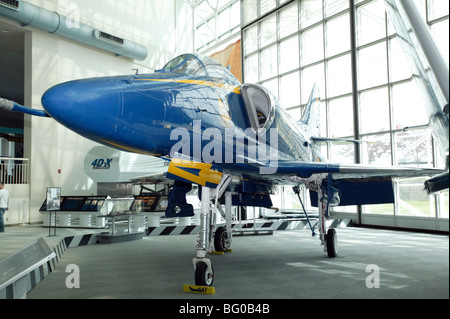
x,y
233,140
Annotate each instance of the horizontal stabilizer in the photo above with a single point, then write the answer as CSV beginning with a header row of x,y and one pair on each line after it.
x,y
335,140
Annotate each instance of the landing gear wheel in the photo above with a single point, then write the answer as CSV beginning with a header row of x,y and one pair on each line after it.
x,y
221,240
332,248
203,277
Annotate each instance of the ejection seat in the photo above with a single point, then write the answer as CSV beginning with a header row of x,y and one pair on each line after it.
x,y
258,105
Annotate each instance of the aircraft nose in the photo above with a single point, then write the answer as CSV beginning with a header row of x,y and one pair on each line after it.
x,y
88,107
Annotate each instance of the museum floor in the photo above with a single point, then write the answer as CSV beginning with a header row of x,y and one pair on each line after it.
x,y
287,264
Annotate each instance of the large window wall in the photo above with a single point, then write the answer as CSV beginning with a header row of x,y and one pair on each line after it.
x,y
217,23
367,87
290,45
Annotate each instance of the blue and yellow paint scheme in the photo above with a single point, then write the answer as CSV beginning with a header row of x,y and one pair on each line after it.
x,y
193,93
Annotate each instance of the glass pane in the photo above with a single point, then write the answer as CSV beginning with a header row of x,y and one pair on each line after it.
x,y
272,86
339,76
343,153
289,21
413,199
374,110
250,9
414,148
268,31
290,90
376,150
250,40
341,117
311,75
370,25
223,22
267,5
269,60
289,55
204,33
338,35
235,14
335,6
310,12
295,113
443,204
312,45
440,33
372,66
437,9
251,69
408,105
202,12
399,65
382,209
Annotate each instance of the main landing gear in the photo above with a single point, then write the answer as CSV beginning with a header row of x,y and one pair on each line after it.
x,y
314,183
204,270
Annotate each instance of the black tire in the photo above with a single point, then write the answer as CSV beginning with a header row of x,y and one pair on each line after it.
x,y
203,277
332,247
220,238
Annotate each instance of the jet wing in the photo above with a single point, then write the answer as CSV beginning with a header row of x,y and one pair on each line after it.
x,y
348,184
340,171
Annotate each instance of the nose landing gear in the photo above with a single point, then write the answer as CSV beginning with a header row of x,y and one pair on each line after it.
x,y
204,271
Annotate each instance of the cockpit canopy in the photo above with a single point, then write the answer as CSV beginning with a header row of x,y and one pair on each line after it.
x,y
201,66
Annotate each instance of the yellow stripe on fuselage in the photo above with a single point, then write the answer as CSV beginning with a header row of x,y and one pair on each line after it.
x,y
128,149
228,87
205,175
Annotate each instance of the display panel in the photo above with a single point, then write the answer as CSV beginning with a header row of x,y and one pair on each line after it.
x,y
145,203
76,203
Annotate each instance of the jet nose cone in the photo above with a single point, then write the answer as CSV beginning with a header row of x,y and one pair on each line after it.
x,y
88,107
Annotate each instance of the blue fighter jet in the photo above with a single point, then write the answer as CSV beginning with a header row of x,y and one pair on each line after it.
x,y
232,139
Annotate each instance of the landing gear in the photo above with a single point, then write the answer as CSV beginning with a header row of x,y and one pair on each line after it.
x,y
332,247
204,274
204,271
315,183
221,240
328,238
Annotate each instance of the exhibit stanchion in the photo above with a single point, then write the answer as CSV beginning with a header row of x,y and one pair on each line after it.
x,y
50,224
53,204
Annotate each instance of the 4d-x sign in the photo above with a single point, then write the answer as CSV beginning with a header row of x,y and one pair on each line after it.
x,y
100,163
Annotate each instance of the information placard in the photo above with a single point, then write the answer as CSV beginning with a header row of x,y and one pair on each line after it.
x,y
53,198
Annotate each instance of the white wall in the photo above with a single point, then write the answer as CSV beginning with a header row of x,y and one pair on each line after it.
x,y
165,27
18,210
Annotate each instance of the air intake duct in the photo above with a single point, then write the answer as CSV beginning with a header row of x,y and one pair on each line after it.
x,y
52,22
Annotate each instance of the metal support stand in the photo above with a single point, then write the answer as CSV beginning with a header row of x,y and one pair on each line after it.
x,y
228,218
296,190
50,224
203,242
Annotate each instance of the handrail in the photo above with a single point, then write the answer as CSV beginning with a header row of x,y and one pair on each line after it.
x,y
14,170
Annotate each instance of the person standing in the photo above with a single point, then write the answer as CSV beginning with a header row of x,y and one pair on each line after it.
x,y
4,202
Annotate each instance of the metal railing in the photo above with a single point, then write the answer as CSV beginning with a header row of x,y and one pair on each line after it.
x,y
14,170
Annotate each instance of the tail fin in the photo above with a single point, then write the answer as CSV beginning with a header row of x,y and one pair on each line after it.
x,y
311,115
